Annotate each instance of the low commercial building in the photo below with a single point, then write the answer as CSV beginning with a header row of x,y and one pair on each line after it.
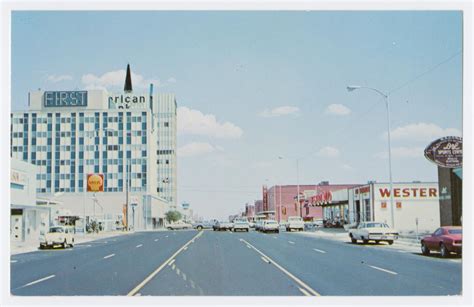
x,y
27,220
416,205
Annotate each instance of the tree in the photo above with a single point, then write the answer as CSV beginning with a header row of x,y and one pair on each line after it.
x,y
172,216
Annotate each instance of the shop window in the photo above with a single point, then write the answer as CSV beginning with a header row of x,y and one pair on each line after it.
x,y
399,205
384,205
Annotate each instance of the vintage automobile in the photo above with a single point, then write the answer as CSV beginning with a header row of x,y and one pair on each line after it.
x,y
241,225
220,225
58,235
446,240
373,231
270,226
179,225
294,223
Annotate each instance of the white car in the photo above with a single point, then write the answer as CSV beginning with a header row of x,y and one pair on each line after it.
x,y
270,225
179,225
58,235
258,225
295,222
241,225
373,231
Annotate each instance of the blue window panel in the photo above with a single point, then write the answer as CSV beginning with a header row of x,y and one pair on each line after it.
x,y
144,153
81,169
120,126
73,155
120,183
96,140
81,141
58,127
48,183
144,168
104,140
144,126
50,141
121,140
104,169
120,168
129,154
120,154
56,184
17,186
33,156
33,127
81,183
25,142
33,141
25,156
96,155
72,169
81,126
129,126
81,155
143,139
104,155
48,169
96,168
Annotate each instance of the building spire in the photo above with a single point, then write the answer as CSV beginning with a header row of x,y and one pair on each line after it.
x,y
128,81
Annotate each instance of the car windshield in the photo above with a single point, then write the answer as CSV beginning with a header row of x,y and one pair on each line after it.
x,y
455,231
56,229
271,222
373,225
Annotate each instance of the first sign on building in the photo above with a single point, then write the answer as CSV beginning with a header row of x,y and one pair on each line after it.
x,y
65,98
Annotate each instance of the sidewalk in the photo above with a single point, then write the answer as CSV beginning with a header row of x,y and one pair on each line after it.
x,y
341,235
26,247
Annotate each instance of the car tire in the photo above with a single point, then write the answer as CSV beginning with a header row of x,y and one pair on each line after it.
x,y
425,250
353,241
65,243
365,241
377,242
247,230
443,250
199,228
390,242
169,228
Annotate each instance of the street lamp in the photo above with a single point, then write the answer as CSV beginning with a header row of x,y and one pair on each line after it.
x,y
351,88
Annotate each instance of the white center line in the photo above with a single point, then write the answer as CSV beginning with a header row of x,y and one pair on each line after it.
x,y
108,256
319,251
13,261
291,242
178,271
184,276
275,237
265,259
304,292
139,245
166,236
156,240
185,248
249,246
171,262
39,280
383,270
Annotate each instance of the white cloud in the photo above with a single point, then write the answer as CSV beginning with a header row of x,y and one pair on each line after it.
x,y
195,122
402,152
328,152
114,79
347,167
58,78
338,109
422,132
197,148
280,111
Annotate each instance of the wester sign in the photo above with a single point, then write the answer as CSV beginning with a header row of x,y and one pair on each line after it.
x,y
408,193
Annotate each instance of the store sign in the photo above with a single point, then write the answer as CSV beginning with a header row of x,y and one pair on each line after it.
x,y
322,198
408,193
362,190
445,152
127,101
17,177
265,198
95,182
65,99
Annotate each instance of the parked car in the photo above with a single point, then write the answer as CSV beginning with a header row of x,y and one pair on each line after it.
x,y
258,225
58,235
373,231
270,225
179,225
446,240
295,222
220,225
241,225
251,224
202,225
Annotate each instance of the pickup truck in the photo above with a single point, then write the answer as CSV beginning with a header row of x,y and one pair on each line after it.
x,y
222,226
295,222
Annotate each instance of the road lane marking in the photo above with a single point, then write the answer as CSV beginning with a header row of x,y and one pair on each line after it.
x,y
296,279
192,284
146,280
383,270
249,246
185,248
39,280
275,237
291,242
171,262
108,256
138,294
166,236
304,292
173,267
178,271
265,259
139,245
319,251
156,240
13,261
184,276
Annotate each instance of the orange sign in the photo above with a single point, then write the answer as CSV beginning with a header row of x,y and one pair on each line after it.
x,y
95,182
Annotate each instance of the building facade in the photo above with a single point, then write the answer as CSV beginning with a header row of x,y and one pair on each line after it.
x,y
129,138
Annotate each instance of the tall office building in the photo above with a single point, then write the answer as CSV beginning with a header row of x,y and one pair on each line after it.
x,y
69,134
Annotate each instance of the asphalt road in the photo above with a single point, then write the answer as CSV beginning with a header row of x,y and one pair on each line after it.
x,y
224,263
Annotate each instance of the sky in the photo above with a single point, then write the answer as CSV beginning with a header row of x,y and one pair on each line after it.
x,y
260,91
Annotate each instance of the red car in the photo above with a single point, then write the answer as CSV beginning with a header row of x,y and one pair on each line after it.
x,y
446,240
